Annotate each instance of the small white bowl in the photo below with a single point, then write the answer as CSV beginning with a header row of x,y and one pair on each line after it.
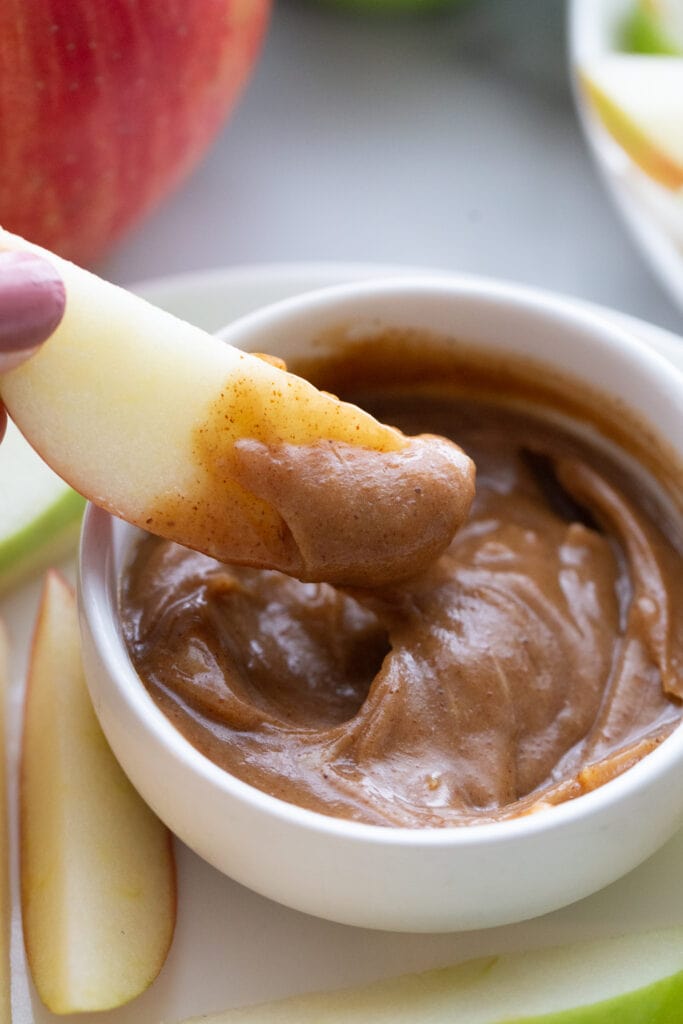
x,y
393,878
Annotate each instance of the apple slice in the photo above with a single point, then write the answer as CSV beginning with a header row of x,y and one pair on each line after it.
x,y
5,903
640,102
655,26
97,869
40,515
630,980
177,432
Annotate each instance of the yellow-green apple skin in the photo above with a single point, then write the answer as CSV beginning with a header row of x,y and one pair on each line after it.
x,y
98,887
106,107
5,902
640,102
40,515
636,979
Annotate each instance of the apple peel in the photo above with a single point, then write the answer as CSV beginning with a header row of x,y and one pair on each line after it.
x,y
144,414
40,516
630,980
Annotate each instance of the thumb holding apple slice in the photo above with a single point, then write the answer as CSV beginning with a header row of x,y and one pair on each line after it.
x,y
32,302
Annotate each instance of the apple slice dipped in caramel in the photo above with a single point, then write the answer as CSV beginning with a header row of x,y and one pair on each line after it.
x,y
225,452
97,870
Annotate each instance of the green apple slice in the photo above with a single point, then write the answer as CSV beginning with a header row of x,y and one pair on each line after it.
x,y
629,980
39,515
640,102
655,26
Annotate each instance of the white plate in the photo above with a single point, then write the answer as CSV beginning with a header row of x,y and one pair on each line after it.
x,y
233,947
653,215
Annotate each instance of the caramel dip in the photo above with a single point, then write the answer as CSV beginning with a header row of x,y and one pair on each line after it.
x,y
538,657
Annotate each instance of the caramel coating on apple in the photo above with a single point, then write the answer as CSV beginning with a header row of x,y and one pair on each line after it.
x,y
319,508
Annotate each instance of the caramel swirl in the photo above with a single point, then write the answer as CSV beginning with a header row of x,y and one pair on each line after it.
x,y
538,657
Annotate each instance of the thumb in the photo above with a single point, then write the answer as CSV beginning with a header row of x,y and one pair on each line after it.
x,y
32,301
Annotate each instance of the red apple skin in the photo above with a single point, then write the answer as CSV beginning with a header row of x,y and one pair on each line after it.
x,y
107,105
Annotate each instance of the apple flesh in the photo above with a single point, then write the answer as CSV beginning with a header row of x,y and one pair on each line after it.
x,y
631,980
97,870
5,903
107,107
640,102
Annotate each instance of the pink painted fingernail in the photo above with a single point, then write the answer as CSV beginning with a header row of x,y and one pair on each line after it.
x,y
32,301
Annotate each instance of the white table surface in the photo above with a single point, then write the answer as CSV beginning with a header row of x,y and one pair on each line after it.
x,y
446,140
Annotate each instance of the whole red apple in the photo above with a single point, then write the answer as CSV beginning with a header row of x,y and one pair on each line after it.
x,y
106,105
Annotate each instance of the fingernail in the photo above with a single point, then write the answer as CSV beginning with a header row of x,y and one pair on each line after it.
x,y
32,301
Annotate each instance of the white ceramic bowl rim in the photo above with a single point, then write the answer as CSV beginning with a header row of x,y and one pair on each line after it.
x,y
98,588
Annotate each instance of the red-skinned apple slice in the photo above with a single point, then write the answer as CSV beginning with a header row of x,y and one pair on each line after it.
x,y
97,870
179,433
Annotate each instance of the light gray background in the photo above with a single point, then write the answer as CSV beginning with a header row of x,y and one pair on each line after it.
x,y
447,140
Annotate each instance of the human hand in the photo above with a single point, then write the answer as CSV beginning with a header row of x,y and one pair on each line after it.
x,y
32,301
